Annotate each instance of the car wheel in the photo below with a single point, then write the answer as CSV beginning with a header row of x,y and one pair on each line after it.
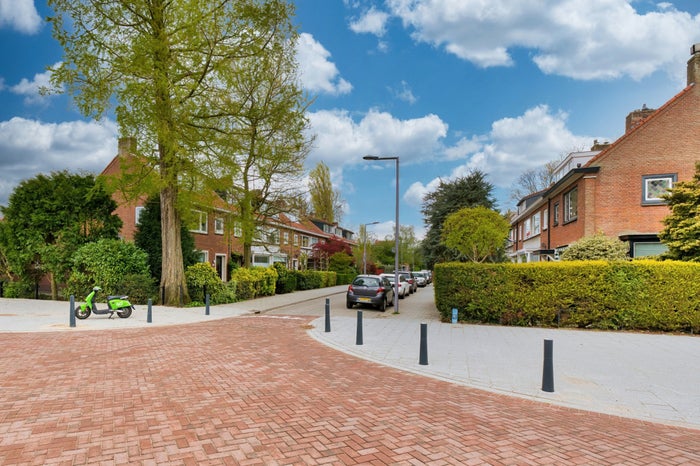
x,y
349,305
382,306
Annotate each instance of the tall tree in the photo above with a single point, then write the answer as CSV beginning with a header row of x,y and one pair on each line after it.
x,y
468,191
169,67
148,237
325,201
681,231
49,217
477,233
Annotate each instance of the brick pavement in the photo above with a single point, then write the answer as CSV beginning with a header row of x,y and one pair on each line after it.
x,y
260,390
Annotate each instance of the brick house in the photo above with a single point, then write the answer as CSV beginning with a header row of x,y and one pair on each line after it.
x,y
216,232
615,188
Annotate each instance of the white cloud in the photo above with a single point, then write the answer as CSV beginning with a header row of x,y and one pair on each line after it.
x,y
30,147
31,89
317,72
20,15
403,92
341,141
513,145
582,39
372,21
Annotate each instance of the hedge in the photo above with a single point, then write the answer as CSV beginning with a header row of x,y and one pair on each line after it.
x,y
638,295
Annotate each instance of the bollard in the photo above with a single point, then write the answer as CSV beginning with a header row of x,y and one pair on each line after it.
x,y
455,315
423,358
548,369
149,316
206,305
358,338
328,315
72,311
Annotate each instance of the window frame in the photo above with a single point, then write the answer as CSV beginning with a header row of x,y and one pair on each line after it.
x,y
201,214
219,225
568,217
555,215
646,200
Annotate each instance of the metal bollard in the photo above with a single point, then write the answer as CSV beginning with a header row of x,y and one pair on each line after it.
x,y
206,305
72,311
149,316
358,338
423,358
548,369
328,315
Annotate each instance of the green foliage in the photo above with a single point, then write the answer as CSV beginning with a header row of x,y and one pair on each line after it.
x,y
110,264
681,231
202,279
325,201
596,247
341,262
286,279
17,289
254,282
470,191
48,218
148,237
476,233
641,295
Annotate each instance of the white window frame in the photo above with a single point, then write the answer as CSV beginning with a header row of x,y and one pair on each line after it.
x,y
571,209
536,224
237,229
649,191
138,211
286,237
202,226
545,219
219,225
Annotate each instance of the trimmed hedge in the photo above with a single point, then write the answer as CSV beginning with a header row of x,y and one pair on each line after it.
x,y
254,282
639,295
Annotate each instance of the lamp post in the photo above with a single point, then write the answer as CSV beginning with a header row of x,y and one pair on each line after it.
x,y
364,246
396,230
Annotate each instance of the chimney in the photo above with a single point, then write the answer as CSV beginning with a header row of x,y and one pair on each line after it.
x,y
694,65
635,117
599,146
127,146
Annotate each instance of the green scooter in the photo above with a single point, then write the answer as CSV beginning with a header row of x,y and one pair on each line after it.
x,y
118,304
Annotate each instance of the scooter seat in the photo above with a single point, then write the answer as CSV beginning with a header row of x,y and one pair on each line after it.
x,y
109,298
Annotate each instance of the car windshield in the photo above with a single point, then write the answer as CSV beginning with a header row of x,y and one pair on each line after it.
x,y
366,281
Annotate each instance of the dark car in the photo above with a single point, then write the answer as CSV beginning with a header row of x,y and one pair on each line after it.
x,y
370,289
411,280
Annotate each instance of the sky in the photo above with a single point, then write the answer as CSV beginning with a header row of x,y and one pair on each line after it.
x,y
448,86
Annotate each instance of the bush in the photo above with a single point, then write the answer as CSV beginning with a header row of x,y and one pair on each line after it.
x,y
286,279
596,247
202,279
254,282
107,263
18,289
640,295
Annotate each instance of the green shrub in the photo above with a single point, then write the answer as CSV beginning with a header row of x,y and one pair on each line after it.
x,y
18,289
642,295
286,279
202,279
106,263
596,247
254,282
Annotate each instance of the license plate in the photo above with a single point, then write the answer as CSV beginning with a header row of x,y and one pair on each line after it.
x,y
365,300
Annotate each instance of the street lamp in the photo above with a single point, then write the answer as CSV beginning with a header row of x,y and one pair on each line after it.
x,y
396,232
364,246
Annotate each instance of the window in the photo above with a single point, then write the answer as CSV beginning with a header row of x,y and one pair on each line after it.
x,y
296,240
528,228
286,237
571,205
273,236
555,214
536,224
260,260
655,186
201,222
219,225
237,230
202,256
545,219
137,215
304,241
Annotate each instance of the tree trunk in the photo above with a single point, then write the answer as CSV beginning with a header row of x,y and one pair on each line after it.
x,y
173,275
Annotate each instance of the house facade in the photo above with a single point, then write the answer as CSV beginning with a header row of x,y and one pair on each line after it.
x,y
616,189
218,235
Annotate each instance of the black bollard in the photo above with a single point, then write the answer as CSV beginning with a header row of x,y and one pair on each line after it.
x,y
206,305
149,316
423,358
358,339
72,311
328,315
548,369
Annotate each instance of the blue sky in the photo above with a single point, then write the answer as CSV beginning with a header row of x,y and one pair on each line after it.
x,y
446,85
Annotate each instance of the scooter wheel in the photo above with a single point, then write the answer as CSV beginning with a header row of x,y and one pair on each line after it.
x,y
81,313
124,312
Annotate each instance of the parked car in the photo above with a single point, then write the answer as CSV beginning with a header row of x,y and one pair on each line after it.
x,y
410,279
421,279
428,274
370,289
404,286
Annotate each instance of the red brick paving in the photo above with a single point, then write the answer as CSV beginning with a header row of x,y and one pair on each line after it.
x,y
260,391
